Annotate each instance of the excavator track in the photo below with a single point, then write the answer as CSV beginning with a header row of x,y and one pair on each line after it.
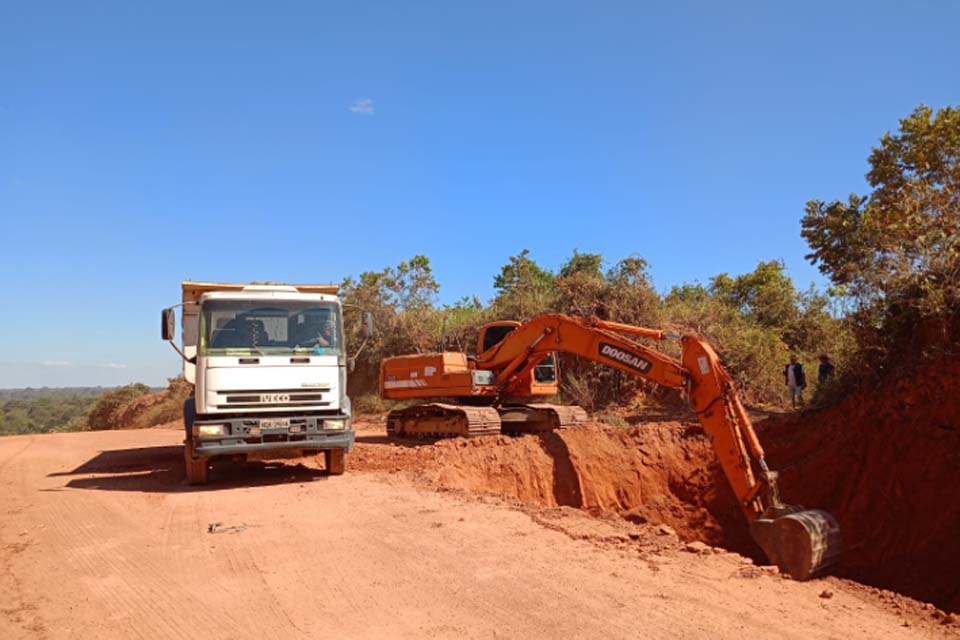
x,y
436,420
540,417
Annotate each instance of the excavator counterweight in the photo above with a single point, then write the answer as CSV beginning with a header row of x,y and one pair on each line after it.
x,y
516,362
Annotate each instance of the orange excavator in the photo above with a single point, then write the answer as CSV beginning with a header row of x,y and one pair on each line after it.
x,y
516,362
483,405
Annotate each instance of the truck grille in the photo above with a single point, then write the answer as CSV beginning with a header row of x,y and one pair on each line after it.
x,y
262,398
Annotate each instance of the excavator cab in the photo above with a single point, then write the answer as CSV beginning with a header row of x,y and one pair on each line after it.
x,y
542,380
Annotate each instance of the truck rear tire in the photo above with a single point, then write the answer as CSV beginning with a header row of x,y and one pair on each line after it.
x,y
336,461
198,471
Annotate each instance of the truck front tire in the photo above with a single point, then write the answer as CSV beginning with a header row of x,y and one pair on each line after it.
x,y
336,461
198,471
189,415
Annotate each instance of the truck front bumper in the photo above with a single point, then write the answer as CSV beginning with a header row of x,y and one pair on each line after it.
x,y
240,438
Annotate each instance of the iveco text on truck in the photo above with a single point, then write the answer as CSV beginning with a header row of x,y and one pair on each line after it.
x,y
269,369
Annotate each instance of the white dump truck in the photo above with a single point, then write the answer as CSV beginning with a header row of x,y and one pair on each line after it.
x,y
269,369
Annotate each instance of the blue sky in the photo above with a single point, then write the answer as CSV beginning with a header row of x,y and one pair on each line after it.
x,y
304,142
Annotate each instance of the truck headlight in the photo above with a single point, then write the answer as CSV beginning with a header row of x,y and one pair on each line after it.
x,y
334,424
208,430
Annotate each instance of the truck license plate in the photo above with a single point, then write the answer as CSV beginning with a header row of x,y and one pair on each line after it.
x,y
275,423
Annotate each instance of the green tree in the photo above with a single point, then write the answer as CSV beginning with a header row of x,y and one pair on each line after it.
x,y
402,301
766,294
413,284
687,293
524,288
754,320
623,294
896,251
752,352
586,264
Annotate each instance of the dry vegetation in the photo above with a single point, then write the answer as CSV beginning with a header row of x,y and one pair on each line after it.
x,y
755,320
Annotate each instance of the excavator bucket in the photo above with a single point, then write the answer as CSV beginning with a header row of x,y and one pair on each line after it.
x,y
803,543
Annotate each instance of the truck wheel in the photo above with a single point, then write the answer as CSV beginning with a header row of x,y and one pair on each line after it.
x,y
189,415
198,471
336,461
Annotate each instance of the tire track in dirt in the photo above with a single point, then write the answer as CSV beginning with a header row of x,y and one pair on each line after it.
x,y
134,587
17,609
17,453
235,559
133,590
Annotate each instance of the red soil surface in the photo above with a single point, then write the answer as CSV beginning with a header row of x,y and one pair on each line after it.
x,y
100,537
886,463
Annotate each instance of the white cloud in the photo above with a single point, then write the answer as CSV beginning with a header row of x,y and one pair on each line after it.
x,y
114,365
362,106
57,363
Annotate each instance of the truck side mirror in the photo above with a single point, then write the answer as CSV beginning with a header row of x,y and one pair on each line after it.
x,y
366,327
167,324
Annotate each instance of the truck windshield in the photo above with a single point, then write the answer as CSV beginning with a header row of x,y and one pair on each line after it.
x,y
246,327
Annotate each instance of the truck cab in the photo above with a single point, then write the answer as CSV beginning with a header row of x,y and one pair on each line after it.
x,y
269,368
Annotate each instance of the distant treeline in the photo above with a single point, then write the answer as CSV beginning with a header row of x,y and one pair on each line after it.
x,y
35,393
42,414
49,409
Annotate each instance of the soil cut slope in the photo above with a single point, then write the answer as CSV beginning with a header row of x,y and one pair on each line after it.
x,y
660,472
886,463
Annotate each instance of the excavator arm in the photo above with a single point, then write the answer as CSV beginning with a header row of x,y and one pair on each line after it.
x,y
802,542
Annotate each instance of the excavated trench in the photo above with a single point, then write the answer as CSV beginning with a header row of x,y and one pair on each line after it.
x,y
663,472
886,463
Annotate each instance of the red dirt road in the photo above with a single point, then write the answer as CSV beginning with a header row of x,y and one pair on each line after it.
x,y
100,537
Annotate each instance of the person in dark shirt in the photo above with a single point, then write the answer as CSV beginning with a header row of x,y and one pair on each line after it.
x,y
826,369
796,380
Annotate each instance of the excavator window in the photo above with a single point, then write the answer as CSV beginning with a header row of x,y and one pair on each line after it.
x,y
546,370
495,335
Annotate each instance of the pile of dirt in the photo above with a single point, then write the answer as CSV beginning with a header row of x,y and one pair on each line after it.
x,y
660,473
154,408
136,414
886,463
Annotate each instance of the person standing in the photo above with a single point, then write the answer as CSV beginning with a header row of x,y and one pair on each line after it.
x,y
796,381
825,372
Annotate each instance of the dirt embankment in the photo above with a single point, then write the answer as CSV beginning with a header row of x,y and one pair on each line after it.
x,y
886,462
136,407
661,473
